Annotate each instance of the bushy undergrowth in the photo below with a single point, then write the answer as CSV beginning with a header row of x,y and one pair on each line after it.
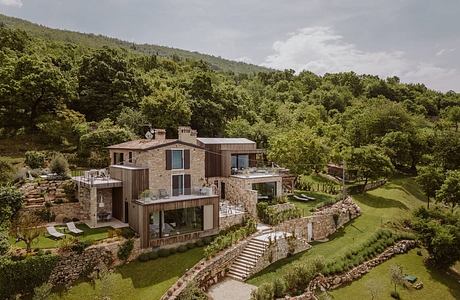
x,y
230,238
268,214
375,245
165,252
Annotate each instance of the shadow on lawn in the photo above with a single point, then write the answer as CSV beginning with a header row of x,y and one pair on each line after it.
x,y
379,202
448,278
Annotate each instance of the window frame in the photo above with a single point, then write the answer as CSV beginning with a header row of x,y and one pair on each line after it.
x,y
182,161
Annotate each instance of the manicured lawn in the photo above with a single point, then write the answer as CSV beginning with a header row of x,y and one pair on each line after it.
x,y
306,206
437,284
137,280
391,201
45,241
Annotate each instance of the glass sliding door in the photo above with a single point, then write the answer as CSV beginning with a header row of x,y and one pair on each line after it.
x,y
178,185
180,221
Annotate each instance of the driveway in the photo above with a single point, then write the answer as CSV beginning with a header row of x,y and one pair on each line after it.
x,y
230,289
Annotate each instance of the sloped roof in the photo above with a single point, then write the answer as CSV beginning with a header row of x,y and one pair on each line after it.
x,y
145,144
209,141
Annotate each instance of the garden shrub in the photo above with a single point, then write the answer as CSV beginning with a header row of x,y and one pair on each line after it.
x,y
153,255
125,249
268,214
192,292
200,243
35,159
6,171
144,257
127,233
23,276
11,200
4,242
191,245
182,248
279,287
172,250
70,190
59,165
163,252
227,239
265,291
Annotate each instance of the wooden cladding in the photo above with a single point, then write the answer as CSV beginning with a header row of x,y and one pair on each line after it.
x,y
168,159
186,159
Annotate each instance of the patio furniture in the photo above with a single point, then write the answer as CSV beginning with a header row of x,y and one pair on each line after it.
x,y
410,278
308,197
72,228
102,216
301,198
163,194
53,232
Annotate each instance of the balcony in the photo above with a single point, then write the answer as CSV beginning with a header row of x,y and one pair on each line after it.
x,y
257,172
97,178
168,195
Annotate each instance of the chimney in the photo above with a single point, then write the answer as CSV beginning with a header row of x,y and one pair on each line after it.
x,y
187,134
160,134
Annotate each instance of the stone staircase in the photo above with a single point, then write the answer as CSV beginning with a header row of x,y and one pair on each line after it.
x,y
246,261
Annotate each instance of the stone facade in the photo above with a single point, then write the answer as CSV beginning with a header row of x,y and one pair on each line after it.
x,y
37,192
160,178
230,220
62,211
279,249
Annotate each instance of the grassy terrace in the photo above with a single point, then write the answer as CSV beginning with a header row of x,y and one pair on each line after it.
x,y
378,206
136,280
45,241
437,284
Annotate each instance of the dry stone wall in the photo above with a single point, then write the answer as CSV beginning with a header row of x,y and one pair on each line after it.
x,y
62,211
37,192
230,220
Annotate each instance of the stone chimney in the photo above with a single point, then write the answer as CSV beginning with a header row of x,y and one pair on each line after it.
x,y
160,134
187,134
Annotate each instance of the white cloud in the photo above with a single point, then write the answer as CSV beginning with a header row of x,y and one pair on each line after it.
x,y
321,50
16,3
444,51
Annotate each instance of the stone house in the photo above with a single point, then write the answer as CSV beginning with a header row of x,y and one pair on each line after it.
x,y
168,190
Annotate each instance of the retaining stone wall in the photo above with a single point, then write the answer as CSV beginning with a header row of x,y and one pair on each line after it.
x,y
38,192
64,210
228,221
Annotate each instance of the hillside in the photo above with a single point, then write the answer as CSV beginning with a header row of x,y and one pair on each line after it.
x,y
96,41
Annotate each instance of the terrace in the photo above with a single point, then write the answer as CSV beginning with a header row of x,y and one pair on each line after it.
x,y
97,178
257,172
163,196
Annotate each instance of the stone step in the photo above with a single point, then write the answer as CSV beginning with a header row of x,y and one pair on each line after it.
x,y
241,269
236,276
249,258
254,248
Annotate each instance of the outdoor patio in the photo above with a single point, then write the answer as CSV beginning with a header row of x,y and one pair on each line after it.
x,y
226,209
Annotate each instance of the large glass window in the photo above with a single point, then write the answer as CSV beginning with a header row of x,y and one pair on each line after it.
x,y
174,222
178,185
177,159
240,161
265,190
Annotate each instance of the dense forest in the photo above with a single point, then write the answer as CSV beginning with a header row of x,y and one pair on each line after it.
x,y
85,98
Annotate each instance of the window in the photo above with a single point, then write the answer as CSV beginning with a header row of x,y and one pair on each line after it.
x,y
178,185
177,157
118,158
174,222
130,157
240,162
265,190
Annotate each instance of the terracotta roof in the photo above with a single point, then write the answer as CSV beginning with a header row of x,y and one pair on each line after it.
x,y
145,144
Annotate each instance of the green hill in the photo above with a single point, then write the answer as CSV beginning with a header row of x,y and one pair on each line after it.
x,y
97,40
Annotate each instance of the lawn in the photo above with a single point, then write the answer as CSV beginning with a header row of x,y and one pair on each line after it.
x,y
306,206
437,285
44,241
137,280
391,201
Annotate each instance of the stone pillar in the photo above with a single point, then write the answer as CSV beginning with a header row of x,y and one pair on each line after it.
x,y
93,206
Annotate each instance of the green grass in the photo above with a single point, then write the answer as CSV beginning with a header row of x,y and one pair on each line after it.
x,y
137,280
389,202
306,206
45,241
437,284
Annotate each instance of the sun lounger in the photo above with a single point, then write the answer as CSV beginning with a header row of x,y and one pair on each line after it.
x,y
53,232
72,228
301,198
308,197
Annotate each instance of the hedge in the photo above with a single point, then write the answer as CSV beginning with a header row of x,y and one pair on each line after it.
x,y
24,275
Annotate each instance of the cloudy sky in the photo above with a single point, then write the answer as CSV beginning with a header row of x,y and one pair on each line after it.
x,y
417,40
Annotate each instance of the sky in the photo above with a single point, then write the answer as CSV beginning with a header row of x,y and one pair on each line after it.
x,y
416,40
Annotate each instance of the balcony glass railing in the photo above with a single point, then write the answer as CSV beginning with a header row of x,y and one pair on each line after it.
x,y
160,194
256,171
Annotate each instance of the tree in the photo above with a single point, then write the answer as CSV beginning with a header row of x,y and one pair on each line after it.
x,y
397,147
132,119
26,228
396,276
106,83
11,200
60,126
59,165
369,162
449,192
6,171
166,108
300,150
430,179
374,288
446,150
4,242
452,114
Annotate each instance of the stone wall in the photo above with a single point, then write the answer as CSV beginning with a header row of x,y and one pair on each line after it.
x,y
230,220
37,192
280,249
64,210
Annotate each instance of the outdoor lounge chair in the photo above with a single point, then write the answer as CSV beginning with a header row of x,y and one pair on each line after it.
x,y
302,198
53,232
163,194
72,228
308,197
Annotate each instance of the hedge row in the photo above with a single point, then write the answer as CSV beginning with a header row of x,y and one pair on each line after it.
x,y
24,275
268,214
165,252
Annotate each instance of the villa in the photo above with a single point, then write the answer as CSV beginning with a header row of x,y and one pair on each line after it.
x,y
177,190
